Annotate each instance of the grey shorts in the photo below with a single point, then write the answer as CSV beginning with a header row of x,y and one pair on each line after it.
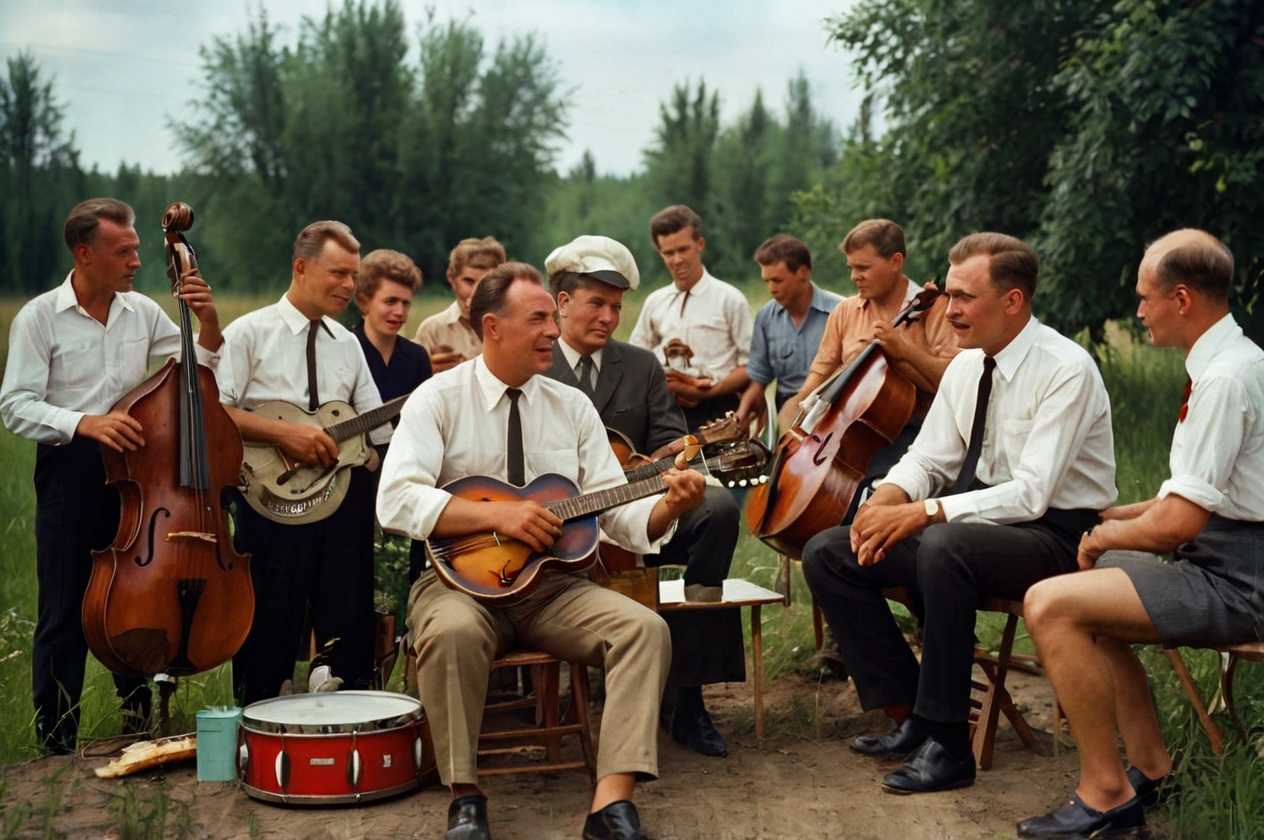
x,y
1211,594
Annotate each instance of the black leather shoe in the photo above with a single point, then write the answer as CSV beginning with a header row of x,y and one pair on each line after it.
x,y
897,743
929,769
699,734
467,818
617,821
1153,791
1076,820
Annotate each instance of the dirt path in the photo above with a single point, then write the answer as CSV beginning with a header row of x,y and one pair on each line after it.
x,y
801,781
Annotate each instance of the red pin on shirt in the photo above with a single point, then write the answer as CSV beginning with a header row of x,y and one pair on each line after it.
x,y
1189,389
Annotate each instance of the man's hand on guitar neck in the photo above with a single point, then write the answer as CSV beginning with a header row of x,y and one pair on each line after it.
x,y
686,489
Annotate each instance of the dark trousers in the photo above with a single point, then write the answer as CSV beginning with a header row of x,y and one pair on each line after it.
x,y
706,645
714,409
323,570
75,512
952,567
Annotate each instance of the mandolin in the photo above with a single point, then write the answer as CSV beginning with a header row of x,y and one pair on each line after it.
x,y
502,570
293,493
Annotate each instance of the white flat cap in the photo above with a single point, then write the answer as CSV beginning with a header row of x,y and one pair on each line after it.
x,y
599,257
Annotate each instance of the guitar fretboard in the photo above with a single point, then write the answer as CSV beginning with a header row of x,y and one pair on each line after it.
x,y
602,500
366,422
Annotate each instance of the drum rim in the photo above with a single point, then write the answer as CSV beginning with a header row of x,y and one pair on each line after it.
x,y
368,724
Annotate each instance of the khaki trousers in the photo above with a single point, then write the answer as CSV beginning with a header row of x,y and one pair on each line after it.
x,y
456,638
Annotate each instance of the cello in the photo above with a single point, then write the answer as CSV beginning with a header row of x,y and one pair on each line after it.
x,y
171,594
820,463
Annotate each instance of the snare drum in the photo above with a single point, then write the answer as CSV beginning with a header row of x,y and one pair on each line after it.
x,y
333,747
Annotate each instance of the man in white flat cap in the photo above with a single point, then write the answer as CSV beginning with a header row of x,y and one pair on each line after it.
x,y
590,276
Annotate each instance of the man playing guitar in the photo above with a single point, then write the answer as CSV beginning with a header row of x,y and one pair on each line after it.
x,y
460,423
295,351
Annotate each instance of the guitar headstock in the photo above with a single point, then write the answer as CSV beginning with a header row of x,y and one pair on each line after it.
x,y
721,431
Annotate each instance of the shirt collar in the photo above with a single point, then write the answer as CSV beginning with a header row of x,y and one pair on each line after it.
x,y
297,321
572,355
1012,354
66,298
699,287
493,389
819,301
1209,343
910,292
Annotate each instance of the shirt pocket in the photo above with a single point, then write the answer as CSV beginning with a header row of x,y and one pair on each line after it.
x,y
133,363
563,462
784,355
1009,448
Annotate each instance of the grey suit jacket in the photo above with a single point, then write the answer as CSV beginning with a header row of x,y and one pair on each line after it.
x,y
631,395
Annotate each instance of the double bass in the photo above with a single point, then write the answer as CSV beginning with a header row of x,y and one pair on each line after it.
x,y
820,463
171,594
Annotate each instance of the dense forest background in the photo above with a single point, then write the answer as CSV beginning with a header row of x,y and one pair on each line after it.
x,y
1087,127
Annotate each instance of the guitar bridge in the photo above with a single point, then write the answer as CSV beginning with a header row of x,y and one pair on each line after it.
x,y
190,535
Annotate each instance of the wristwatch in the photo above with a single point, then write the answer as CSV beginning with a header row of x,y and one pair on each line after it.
x,y
932,507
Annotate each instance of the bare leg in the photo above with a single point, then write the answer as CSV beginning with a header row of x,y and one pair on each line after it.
x,y
1134,711
1065,616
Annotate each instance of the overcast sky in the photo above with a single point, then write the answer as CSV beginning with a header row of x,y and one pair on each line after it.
x,y
123,67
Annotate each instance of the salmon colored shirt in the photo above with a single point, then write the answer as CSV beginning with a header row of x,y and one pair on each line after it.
x,y
850,329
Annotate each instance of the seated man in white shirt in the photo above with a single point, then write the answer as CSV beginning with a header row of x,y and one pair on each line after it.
x,y
1024,410
74,352
1209,516
494,416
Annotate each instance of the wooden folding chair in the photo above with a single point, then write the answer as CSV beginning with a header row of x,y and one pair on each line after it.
x,y
1230,656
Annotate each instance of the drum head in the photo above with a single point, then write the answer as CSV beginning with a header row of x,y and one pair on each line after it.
x,y
328,712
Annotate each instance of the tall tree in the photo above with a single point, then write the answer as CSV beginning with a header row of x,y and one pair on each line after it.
x,y
37,164
340,126
678,165
1085,126
1168,131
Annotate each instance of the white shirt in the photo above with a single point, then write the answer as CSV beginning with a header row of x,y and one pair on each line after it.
x,y
63,363
455,425
715,322
266,360
1217,458
1047,439
573,356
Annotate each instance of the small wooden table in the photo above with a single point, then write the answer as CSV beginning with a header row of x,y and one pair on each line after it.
x,y
737,593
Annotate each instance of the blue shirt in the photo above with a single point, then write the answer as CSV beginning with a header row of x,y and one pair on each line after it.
x,y
784,352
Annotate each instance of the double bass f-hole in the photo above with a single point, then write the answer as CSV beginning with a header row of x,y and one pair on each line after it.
x,y
820,456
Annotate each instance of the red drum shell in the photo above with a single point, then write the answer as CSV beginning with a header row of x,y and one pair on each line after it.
x,y
333,748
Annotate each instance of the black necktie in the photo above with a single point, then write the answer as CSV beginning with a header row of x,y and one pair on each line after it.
x,y
313,395
513,449
971,462
584,375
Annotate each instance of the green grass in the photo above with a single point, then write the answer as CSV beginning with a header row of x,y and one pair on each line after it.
x,y
1224,795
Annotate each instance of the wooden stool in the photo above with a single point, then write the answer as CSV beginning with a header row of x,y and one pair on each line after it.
x,y
995,698
550,724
